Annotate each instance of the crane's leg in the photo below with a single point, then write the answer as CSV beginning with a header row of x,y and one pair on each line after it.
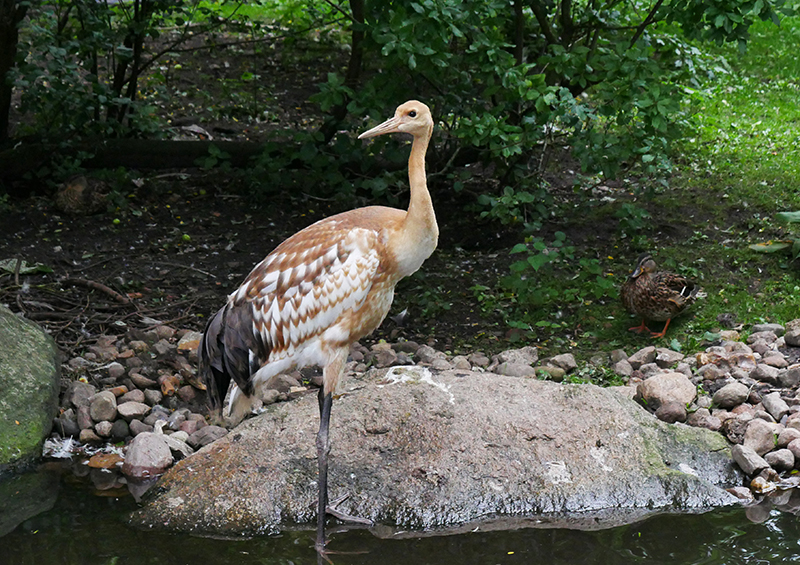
x,y
323,448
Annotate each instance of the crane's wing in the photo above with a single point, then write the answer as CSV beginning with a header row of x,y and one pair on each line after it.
x,y
308,284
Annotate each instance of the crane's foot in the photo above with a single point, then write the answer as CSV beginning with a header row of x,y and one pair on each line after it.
x,y
334,511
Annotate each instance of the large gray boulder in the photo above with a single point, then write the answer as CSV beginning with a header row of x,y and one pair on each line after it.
x,y
29,387
419,450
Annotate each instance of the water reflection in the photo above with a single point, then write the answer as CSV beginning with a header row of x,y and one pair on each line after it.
x,y
73,526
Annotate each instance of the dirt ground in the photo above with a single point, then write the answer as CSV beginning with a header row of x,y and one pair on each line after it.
x,y
169,246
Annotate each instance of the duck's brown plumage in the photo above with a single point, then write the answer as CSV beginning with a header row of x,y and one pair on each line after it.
x,y
656,295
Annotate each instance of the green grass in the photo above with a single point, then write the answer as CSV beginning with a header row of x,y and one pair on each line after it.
x,y
738,167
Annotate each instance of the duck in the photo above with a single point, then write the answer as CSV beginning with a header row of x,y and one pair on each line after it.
x,y
656,295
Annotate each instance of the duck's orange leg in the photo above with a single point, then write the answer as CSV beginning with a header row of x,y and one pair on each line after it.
x,y
656,335
639,329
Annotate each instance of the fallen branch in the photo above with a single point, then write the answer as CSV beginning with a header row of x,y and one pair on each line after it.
x,y
101,287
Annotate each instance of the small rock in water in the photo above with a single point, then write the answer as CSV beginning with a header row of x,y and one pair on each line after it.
x,y
147,456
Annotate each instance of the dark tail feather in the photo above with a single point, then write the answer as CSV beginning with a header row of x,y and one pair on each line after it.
x,y
211,352
225,353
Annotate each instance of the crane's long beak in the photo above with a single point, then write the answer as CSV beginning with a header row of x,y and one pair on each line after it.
x,y
388,126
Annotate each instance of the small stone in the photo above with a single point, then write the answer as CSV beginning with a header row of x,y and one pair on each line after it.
x,y
141,381
780,459
282,383
623,368
511,369
133,410
66,427
270,396
645,355
787,436
618,355
461,363
187,393
525,355
137,427
103,406
479,359
790,378
767,336
80,393
104,461
775,405
206,435
765,373
147,456
88,436
139,346
384,357
441,365
759,436
175,419
742,493
665,388
135,395
163,348
189,427
103,429
777,329
406,347
120,430
748,460
792,337
671,412
566,361
649,369
666,358
775,359
115,370
83,418
731,395
153,396
551,372
164,332
711,372
426,354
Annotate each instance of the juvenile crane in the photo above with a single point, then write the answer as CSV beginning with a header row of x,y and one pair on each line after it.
x,y
318,292
656,295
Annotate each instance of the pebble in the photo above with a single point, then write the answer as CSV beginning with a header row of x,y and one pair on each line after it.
x,y
511,369
731,395
103,406
147,377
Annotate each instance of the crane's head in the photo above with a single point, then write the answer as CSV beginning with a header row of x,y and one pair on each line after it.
x,y
411,117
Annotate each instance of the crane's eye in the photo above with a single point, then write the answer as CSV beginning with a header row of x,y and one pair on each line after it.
x,y
412,114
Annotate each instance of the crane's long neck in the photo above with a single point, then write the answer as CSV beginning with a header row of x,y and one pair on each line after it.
x,y
419,232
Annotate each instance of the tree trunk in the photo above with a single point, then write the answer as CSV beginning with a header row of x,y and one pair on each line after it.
x,y
353,73
11,14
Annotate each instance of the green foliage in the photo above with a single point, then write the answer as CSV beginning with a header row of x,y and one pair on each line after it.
x,y
791,245
549,279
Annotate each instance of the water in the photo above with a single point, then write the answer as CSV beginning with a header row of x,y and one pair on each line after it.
x,y
77,527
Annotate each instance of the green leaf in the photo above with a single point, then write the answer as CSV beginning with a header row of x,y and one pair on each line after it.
x,y
771,246
788,217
